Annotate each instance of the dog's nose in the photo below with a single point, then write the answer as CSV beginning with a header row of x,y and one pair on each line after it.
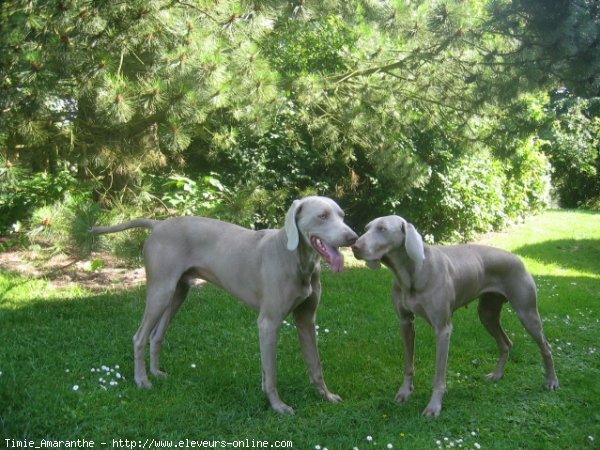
x,y
351,238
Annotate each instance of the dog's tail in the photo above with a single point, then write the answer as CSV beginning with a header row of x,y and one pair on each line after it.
x,y
137,223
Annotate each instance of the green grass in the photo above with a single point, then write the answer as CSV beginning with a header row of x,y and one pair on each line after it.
x,y
50,339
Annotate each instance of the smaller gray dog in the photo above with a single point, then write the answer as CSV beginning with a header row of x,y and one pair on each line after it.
x,y
433,282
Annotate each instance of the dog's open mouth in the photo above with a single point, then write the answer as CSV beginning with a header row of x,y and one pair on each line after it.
x,y
328,253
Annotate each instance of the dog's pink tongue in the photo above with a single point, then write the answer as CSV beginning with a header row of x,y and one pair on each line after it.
x,y
334,258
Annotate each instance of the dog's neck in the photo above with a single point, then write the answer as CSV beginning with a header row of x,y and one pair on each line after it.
x,y
403,268
306,256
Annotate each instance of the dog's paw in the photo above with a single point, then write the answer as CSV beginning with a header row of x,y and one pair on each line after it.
x,y
333,398
404,394
433,410
282,408
493,376
552,384
143,383
329,396
160,373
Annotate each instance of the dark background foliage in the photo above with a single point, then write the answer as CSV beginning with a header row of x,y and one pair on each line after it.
x,y
454,114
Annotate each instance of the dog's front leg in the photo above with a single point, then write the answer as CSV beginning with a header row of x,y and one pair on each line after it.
x,y
407,328
304,316
268,329
442,334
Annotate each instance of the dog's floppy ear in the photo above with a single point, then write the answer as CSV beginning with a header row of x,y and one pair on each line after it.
x,y
413,242
291,229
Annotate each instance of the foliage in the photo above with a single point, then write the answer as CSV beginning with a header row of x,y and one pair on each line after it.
x,y
189,197
363,101
64,226
312,46
478,193
573,144
21,191
551,42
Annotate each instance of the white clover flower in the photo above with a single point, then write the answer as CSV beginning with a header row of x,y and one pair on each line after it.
x,y
193,366
473,433
326,330
117,366
75,387
591,438
476,444
317,447
390,446
438,442
370,438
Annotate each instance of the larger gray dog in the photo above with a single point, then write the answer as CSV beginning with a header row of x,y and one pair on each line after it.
x,y
273,271
433,282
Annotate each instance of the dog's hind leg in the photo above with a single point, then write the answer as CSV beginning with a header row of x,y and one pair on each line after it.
x,y
158,299
525,305
158,334
489,309
530,318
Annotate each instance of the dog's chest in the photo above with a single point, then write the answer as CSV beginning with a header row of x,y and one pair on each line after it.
x,y
303,288
411,302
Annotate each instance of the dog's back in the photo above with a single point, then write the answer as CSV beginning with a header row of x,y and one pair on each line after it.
x,y
478,269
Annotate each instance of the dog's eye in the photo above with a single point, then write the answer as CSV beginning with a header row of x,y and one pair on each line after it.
x,y
381,228
324,216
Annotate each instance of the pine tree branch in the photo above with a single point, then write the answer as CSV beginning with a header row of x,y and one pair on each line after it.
x,y
416,54
201,11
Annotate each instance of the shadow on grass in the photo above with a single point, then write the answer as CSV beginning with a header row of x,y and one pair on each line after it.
x,y
579,254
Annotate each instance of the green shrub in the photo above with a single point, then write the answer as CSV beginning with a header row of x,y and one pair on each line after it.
x,y
478,193
527,185
63,227
464,200
573,146
22,191
188,197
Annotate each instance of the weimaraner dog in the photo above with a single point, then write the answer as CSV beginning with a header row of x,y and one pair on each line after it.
x,y
434,281
276,272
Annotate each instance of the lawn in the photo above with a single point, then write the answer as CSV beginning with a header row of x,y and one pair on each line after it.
x,y
66,363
